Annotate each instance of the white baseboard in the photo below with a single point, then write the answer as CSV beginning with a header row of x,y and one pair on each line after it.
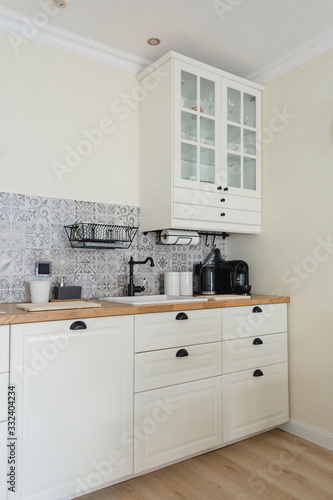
x,y
309,433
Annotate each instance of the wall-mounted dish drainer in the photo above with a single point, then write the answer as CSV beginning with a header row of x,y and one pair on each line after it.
x,y
89,235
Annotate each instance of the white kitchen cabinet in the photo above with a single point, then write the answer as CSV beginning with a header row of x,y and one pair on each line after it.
x,y
255,369
74,405
178,385
4,375
254,400
174,422
199,129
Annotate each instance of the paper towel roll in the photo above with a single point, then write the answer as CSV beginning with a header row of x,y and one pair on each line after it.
x,y
172,237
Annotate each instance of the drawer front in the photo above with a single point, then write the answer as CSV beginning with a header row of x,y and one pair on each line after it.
x,y
164,330
3,396
174,422
253,352
218,200
64,326
3,460
203,213
162,368
244,321
253,404
4,348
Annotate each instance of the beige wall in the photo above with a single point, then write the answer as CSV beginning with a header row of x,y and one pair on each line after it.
x,y
294,252
48,97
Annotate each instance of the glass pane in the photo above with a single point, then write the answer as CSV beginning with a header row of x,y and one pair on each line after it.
x,y
249,173
234,138
189,126
207,96
249,110
207,165
207,131
189,162
188,90
234,105
249,143
234,170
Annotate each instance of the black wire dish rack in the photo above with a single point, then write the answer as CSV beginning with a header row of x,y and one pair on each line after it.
x,y
89,235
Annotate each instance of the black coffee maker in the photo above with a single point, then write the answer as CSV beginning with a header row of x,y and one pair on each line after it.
x,y
232,276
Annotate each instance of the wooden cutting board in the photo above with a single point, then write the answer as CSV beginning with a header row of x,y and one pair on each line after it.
x,y
227,296
53,306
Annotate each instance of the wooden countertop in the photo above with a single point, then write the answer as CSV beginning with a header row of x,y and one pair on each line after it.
x,y
13,315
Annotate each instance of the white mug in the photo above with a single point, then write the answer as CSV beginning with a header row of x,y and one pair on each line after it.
x,y
186,283
171,283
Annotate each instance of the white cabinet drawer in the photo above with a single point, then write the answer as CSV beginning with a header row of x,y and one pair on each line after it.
x,y
248,321
161,368
4,348
3,396
164,330
254,403
219,200
210,214
253,352
174,422
3,460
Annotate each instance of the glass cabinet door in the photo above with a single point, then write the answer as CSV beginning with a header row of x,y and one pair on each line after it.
x,y
241,125
197,104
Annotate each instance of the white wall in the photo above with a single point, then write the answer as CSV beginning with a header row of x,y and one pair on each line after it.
x,y
48,97
291,254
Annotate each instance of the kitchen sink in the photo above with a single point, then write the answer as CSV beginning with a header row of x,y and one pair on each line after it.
x,y
154,299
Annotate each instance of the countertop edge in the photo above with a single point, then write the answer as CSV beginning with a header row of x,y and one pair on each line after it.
x,y
14,316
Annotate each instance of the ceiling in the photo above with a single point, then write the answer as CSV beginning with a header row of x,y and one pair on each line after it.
x,y
243,37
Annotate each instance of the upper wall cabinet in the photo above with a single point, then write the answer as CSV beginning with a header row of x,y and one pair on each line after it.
x,y
199,162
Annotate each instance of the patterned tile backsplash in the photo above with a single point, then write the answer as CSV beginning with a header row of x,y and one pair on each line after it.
x,y
32,229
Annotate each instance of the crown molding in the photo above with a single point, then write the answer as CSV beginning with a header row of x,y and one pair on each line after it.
x,y
28,28
294,58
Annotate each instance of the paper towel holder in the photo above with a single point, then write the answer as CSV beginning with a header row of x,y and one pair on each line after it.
x,y
180,235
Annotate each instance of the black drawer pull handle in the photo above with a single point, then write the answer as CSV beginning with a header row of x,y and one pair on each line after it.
x,y
222,214
222,200
181,316
257,373
219,188
181,353
78,325
257,309
225,189
257,341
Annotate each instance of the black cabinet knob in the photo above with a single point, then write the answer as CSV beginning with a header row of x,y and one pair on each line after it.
x,y
219,188
181,315
222,214
257,341
225,189
257,309
181,353
258,373
78,325
222,200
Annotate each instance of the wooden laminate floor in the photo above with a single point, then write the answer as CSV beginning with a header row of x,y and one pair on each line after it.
x,y
275,466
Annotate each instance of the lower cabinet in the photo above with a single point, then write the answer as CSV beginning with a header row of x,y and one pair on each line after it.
x,y
4,403
254,400
74,386
174,422
3,460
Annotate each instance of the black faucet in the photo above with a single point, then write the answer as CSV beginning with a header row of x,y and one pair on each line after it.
x,y
132,289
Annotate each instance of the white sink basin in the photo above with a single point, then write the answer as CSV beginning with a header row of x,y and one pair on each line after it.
x,y
154,299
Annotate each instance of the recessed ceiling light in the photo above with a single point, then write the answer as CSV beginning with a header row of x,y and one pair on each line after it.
x,y
60,4
153,41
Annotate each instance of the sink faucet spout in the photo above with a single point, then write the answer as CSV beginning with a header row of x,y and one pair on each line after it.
x,y
132,289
